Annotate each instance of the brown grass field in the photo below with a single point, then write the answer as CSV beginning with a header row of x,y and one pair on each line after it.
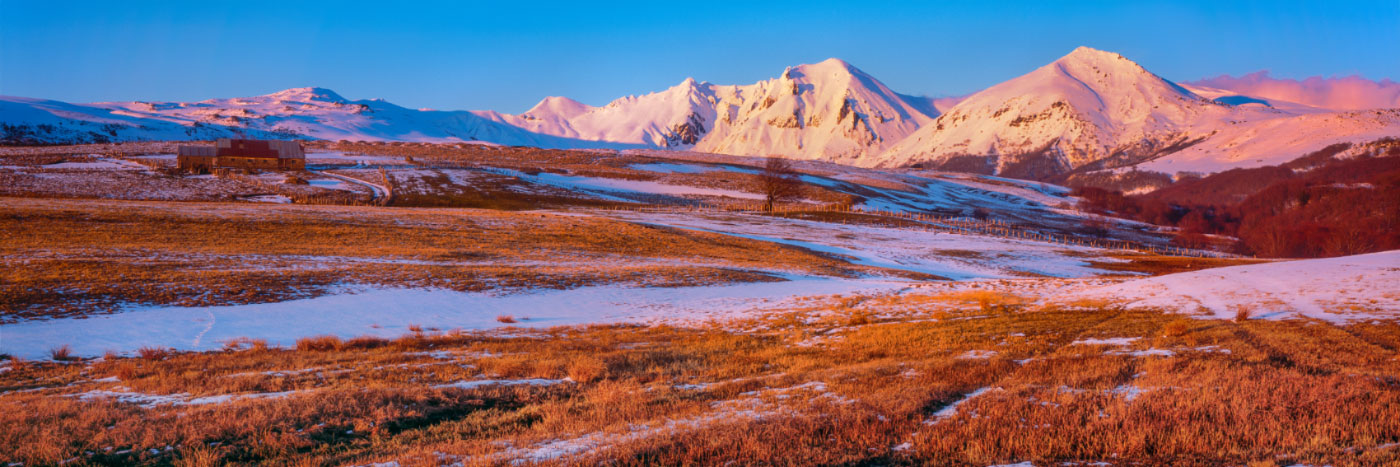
x,y
939,373
84,256
844,389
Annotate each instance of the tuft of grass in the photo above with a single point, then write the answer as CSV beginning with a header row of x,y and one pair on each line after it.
x,y
587,369
859,318
1243,313
508,319
200,456
240,343
61,353
1177,327
319,344
366,342
154,353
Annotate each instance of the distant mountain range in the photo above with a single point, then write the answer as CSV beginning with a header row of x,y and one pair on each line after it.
x,y
1088,111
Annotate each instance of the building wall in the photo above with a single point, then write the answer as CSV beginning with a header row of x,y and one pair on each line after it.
x,y
242,154
198,164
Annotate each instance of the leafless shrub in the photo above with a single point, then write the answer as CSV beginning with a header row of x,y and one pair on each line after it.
x,y
779,182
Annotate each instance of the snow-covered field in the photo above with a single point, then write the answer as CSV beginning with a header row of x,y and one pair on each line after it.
x,y
390,312
949,255
911,258
1349,288
607,188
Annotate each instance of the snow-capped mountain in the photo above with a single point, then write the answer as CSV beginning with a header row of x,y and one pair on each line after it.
x,y
314,113
1095,110
825,111
675,117
1085,107
1087,111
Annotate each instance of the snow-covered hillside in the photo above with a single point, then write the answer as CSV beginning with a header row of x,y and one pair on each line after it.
x,y
675,117
1276,141
314,113
1349,288
1345,93
1093,109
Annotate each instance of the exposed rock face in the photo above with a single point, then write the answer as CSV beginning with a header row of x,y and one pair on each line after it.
x,y
687,133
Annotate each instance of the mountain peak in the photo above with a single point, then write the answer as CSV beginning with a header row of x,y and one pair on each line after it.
x,y
690,85
1090,53
833,62
557,105
830,66
308,94
1108,62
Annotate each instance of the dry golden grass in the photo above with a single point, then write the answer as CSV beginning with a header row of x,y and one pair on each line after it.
x,y
867,393
101,254
833,380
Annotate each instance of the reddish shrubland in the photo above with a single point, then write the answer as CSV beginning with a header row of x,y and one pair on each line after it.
x,y
1334,208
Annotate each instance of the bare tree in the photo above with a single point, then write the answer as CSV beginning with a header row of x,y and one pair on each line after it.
x,y
779,182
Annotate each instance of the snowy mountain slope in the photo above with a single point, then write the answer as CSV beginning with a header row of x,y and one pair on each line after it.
x,y
1093,110
1338,93
1086,112
825,111
1228,97
1278,140
675,117
932,106
294,113
39,121
1079,109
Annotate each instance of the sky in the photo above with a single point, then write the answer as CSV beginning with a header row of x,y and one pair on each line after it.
x,y
506,56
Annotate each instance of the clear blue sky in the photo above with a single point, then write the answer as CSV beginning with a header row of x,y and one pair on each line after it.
x,y
506,56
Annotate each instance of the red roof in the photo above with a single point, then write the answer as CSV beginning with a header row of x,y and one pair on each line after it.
x,y
248,148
